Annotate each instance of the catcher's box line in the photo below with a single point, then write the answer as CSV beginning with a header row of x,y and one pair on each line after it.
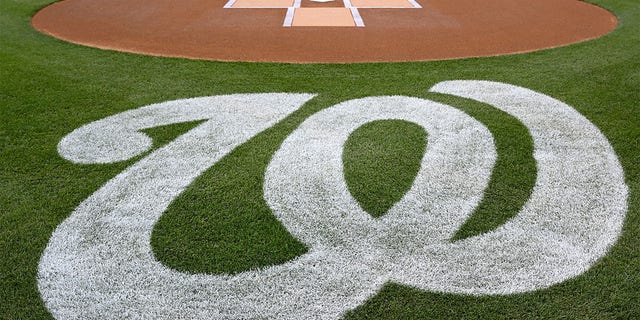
x,y
347,4
288,19
356,17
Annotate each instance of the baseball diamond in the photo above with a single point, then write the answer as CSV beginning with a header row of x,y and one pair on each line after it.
x,y
319,159
337,31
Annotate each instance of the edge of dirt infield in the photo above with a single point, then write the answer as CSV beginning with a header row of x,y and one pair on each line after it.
x,y
434,30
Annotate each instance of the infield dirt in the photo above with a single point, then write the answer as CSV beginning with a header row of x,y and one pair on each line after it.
x,y
441,29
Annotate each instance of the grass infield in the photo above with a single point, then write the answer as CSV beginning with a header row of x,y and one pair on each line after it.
x,y
221,224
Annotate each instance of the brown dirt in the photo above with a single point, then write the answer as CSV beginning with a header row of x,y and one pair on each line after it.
x,y
442,29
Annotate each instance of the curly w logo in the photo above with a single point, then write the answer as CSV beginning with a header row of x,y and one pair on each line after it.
x,y
99,262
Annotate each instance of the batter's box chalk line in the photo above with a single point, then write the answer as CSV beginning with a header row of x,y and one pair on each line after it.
x,y
346,16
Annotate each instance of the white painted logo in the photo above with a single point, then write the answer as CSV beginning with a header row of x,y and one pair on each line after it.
x,y
99,262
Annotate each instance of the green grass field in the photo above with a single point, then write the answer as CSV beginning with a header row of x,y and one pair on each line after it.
x,y
221,224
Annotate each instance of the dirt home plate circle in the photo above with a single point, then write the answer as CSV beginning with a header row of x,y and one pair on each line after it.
x,y
341,31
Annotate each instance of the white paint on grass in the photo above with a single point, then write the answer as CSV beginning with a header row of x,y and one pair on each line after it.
x,y
305,186
231,118
99,263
